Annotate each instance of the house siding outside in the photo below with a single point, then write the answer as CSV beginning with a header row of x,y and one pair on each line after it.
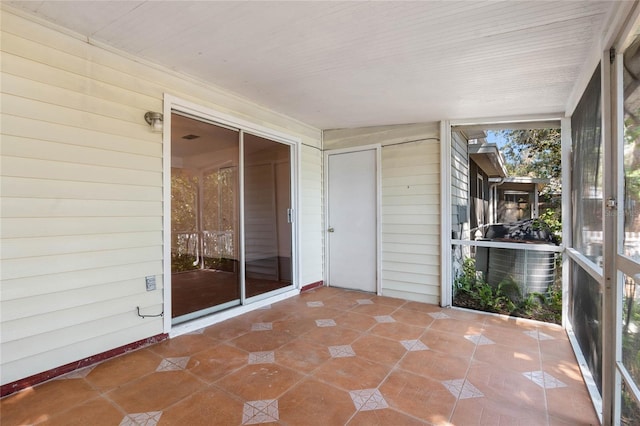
x,y
81,187
410,205
459,186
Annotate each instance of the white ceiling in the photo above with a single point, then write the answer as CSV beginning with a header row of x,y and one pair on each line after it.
x,y
352,64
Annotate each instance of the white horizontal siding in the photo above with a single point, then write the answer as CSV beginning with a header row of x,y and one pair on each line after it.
x,y
459,184
410,205
81,186
311,222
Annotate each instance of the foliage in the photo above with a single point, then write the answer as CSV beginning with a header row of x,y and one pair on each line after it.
x,y
551,221
534,153
471,291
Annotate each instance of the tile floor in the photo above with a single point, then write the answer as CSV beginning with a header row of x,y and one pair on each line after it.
x,y
328,357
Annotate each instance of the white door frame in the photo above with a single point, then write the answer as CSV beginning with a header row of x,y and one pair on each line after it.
x,y
378,149
173,103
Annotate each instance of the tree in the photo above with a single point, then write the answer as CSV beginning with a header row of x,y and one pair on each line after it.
x,y
534,153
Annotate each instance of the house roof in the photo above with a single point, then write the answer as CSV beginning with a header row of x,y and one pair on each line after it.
x,y
521,183
488,157
353,64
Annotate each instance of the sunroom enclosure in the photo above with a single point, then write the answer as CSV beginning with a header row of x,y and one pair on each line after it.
x,y
601,263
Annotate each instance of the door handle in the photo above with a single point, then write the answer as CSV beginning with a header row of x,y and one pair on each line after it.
x,y
330,230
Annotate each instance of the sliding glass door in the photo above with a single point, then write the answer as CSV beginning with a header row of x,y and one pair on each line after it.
x,y
231,231
267,215
205,272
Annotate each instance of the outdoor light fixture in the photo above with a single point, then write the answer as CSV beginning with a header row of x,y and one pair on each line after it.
x,y
154,119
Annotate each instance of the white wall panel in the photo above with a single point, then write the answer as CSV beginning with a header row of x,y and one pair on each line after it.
x,y
410,205
81,186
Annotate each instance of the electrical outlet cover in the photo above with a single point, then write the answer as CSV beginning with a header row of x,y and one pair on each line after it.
x,y
151,283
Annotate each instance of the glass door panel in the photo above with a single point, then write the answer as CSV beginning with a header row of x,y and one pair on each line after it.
x,y
267,207
205,273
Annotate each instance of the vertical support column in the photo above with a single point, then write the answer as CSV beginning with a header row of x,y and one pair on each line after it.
x,y
446,297
567,214
609,213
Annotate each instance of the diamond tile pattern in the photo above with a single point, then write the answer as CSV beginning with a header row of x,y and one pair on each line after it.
x,y
368,399
544,379
462,389
341,351
384,318
263,411
414,345
479,339
325,358
325,323
262,357
261,326
142,419
173,364
538,335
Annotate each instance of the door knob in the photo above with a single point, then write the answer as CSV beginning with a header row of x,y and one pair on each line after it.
x,y
330,230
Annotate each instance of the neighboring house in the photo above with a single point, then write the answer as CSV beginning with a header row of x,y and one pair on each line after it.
x,y
485,163
518,198
495,197
338,126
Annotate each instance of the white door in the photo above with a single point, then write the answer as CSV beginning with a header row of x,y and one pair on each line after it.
x,y
352,220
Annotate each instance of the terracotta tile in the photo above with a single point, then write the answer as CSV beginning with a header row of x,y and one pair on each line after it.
x,y
413,317
313,388
215,363
342,303
500,321
485,411
397,331
452,325
448,343
123,369
508,357
379,349
566,371
557,350
266,315
296,326
512,337
228,330
510,387
258,341
155,392
302,355
44,401
318,312
391,301
436,365
384,417
331,336
259,381
351,373
374,309
422,307
571,405
313,403
467,315
418,396
208,407
94,412
322,293
356,321
185,345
